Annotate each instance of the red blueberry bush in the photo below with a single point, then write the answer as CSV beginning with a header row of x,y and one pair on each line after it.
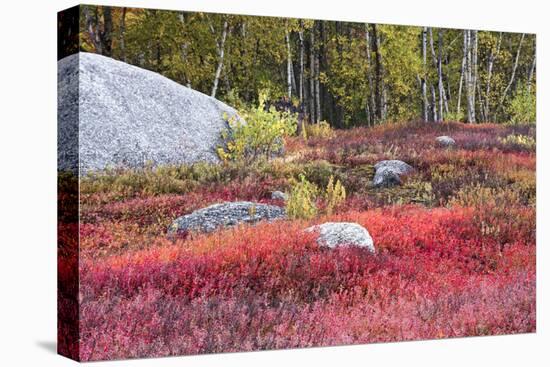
x,y
455,250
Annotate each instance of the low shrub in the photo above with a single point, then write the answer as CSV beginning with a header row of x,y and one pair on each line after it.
x,y
321,130
520,141
319,172
335,195
301,202
412,192
257,133
523,107
271,286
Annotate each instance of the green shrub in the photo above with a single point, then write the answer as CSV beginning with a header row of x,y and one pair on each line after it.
x,y
158,180
319,172
523,107
412,192
522,141
318,130
335,195
301,202
259,133
455,116
486,197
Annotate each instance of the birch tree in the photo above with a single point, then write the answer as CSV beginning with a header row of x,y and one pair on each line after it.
x,y
513,73
462,72
221,53
346,73
288,64
438,65
490,64
314,97
532,70
423,78
301,76
100,31
378,75
470,73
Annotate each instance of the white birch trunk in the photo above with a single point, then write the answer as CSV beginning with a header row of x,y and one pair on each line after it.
x,y
462,70
221,51
301,78
532,69
371,101
434,105
437,63
442,95
423,79
474,77
317,90
469,78
512,77
312,75
490,65
288,66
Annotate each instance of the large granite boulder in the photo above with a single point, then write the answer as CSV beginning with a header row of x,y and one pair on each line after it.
x,y
445,141
336,234
215,216
388,173
112,114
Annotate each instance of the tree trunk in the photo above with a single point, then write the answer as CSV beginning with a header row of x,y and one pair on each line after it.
x,y
371,103
221,51
288,66
474,67
107,34
532,70
449,98
122,32
480,102
469,76
312,117
434,105
92,28
301,78
490,64
442,95
512,77
378,74
317,85
462,71
423,79
438,65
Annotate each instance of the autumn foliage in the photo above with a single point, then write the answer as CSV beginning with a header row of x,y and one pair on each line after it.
x,y
455,250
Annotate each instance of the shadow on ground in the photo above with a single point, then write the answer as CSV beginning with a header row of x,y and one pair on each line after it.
x,y
48,345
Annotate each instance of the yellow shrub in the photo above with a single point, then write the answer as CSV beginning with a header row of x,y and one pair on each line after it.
x,y
335,194
525,141
318,130
260,135
301,202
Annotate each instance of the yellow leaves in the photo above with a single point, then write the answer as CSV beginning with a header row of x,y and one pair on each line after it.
x,y
525,141
319,130
261,134
301,202
335,194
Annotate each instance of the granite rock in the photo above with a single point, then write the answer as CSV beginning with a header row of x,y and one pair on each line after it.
x,y
445,141
228,214
115,115
388,173
336,234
